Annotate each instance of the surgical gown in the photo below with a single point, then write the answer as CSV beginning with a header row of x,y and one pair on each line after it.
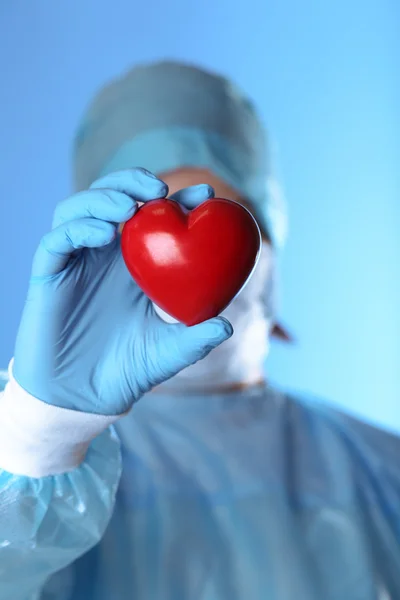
x,y
243,496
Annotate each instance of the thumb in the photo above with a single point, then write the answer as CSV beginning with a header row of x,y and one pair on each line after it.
x,y
186,345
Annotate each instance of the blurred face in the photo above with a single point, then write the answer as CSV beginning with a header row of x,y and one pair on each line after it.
x,y
238,362
187,176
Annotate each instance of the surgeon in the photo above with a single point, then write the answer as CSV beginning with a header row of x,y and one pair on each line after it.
x,y
146,460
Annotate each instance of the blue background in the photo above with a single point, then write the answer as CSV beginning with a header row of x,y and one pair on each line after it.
x,y
325,76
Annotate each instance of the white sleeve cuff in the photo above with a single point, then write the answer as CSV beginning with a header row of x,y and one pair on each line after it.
x,y
38,439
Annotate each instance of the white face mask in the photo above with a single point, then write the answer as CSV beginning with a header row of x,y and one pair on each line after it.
x,y
241,358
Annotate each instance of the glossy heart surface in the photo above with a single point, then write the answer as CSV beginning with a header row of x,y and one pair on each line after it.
x,y
191,263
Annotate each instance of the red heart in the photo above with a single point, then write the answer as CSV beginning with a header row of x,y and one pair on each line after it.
x,y
191,263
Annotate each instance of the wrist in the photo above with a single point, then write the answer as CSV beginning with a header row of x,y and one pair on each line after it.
x,y
38,439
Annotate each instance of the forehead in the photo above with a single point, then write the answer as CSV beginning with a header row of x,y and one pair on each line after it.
x,y
187,176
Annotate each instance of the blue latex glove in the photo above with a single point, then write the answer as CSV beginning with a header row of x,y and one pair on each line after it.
x,y
89,339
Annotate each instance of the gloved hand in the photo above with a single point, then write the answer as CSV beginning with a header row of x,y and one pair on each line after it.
x,y
89,339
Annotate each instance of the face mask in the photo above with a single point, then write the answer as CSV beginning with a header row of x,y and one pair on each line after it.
x,y
241,358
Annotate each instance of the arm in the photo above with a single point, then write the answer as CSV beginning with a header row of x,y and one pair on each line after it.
x,y
89,345
55,498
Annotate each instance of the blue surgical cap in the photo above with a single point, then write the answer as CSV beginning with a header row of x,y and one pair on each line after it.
x,y
169,115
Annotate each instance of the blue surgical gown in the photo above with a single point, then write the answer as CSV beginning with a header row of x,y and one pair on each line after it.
x,y
243,496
